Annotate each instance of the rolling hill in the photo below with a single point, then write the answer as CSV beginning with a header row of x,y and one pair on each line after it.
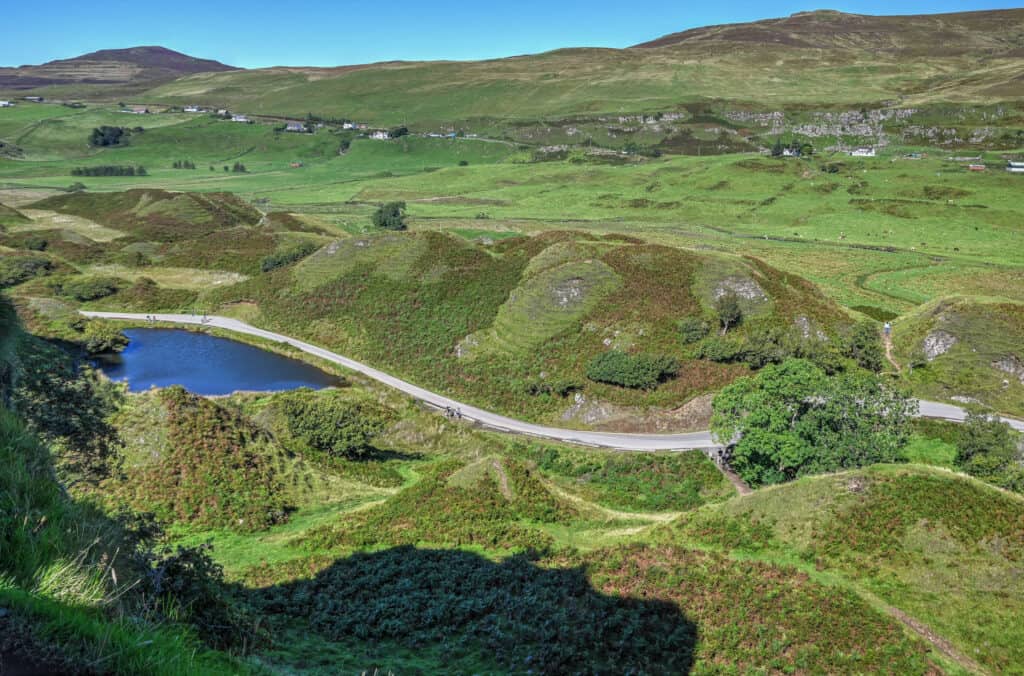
x,y
819,58
117,69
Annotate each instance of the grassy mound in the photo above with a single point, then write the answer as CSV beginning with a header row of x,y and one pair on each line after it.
x,y
494,504
513,324
969,348
938,546
157,214
205,466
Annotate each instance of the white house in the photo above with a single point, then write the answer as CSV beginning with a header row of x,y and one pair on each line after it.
x,y
1015,167
380,135
295,126
5,104
862,152
239,118
348,125
193,109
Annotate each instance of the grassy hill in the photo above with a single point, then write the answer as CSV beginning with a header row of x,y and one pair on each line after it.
x,y
825,58
512,324
935,545
968,349
108,71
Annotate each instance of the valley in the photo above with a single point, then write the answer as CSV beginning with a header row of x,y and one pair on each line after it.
x,y
425,340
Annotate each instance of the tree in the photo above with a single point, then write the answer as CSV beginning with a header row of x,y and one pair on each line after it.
x,y
730,314
777,148
793,419
332,424
864,346
390,216
106,136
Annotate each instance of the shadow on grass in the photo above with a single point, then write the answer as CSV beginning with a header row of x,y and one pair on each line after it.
x,y
512,615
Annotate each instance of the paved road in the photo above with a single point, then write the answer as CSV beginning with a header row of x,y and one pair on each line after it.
x,y
633,442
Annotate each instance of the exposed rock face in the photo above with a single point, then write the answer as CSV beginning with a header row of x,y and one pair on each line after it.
x,y
569,293
807,329
744,287
938,343
465,346
1012,365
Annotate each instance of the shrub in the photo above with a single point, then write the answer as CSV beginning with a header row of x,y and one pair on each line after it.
x,y
390,216
107,170
17,269
281,258
642,371
101,337
333,425
864,346
90,288
693,329
988,449
106,136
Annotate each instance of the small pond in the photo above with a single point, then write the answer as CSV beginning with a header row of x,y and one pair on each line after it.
x,y
206,364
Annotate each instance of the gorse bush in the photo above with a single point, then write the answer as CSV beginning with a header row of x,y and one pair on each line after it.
x,y
641,371
90,288
17,269
107,136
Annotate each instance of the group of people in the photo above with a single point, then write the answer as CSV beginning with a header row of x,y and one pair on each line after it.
x,y
450,412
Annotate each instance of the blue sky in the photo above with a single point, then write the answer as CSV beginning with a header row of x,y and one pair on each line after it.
x,y
325,33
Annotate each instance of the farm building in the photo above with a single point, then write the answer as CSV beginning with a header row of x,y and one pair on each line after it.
x,y
136,110
348,125
976,167
380,135
862,152
295,126
5,104
1015,167
239,118
193,109
37,99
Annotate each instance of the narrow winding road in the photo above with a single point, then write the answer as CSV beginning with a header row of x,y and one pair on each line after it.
x,y
627,442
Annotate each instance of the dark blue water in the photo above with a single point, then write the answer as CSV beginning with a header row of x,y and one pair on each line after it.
x,y
206,364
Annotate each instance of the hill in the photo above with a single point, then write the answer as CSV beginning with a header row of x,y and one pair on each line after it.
x,y
932,546
821,58
988,33
966,349
120,69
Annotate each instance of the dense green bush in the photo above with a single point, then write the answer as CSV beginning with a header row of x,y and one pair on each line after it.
x,y
281,258
641,371
331,424
864,346
86,288
989,449
17,269
390,216
100,337
107,136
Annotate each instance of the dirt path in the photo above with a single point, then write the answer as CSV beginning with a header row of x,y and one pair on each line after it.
x,y
937,642
888,353
739,484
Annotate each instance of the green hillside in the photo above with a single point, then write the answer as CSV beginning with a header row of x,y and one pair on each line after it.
x,y
966,349
924,541
822,58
